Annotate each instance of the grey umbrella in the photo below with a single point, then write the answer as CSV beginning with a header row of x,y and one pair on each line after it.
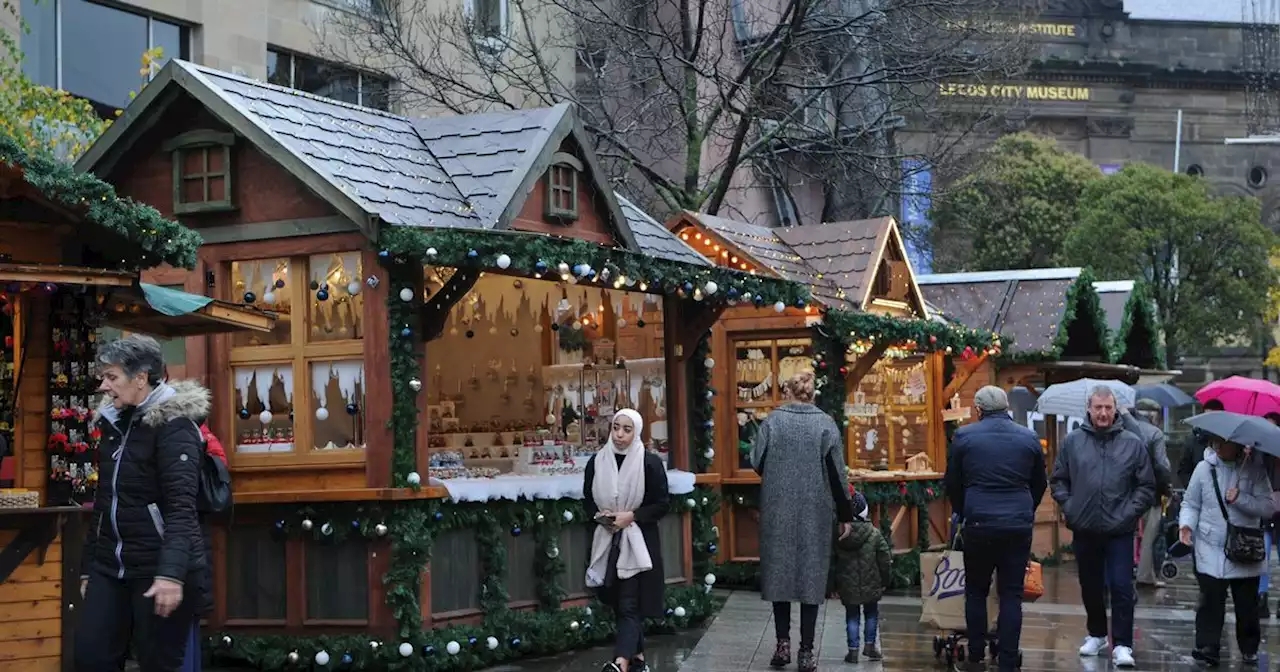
x,y
1246,430
1164,394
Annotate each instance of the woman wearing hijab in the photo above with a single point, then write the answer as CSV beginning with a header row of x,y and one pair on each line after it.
x,y
625,492
799,454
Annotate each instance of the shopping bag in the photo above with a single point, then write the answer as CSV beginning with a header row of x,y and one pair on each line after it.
x,y
1033,586
942,582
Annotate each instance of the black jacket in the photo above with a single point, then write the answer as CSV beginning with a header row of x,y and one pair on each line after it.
x,y
144,523
996,474
652,509
1192,454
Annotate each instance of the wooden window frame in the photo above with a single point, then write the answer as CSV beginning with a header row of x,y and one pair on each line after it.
x,y
776,399
203,141
563,163
299,354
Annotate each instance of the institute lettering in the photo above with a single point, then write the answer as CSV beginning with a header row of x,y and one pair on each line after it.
x,y
1064,30
1016,91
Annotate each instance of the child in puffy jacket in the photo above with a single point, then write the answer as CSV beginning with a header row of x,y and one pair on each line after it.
x,y
861,573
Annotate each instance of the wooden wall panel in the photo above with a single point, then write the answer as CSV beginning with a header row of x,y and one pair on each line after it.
x,y
31,433
31,613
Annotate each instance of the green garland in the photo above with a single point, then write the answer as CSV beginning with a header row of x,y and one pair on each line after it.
x,y
1081,302
1137,342
702,412
153,239
844,327
536,255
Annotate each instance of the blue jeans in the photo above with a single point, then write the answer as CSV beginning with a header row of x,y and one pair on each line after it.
x,y
1005,554
871,612
192,661
1270,540
1106,563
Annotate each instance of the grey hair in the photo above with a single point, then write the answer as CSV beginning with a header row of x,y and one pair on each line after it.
x,y
1101,392
135,354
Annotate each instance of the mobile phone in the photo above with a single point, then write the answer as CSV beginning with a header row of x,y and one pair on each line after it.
x,y
602,517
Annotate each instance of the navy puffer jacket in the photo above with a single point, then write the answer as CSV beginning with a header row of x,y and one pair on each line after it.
x,y
996,474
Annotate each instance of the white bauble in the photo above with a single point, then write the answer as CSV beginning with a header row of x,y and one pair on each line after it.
x,y
322,658
709,579
322,414
307,524
562,268
415,384
680,612
269,298
431,252
568,516
504,262
586,610
453,648
691,502
353,288
779,306
413,478
709,363
326,529
573,625
491,642
710,288
293,657
406,649
709,453
406,294
265,417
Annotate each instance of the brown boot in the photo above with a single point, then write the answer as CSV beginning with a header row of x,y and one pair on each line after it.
x,y
781,654
807,662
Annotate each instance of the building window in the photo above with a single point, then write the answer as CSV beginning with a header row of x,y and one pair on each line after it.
x,y
562,186
375,8
298,392
201,171
488,20
94,51
328,80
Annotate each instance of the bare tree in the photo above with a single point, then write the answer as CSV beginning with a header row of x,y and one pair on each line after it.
x,y
690,102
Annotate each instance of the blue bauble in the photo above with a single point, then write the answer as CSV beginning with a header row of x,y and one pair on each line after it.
x,y
541,267
280,284
355,524
515,530
383,254
352,409
439,516
346,659
250,297
515,642
322,295
688,287
711,548
759,300
472,254
472,641
279,524
733,292
244,414
406,332
800,303
428,650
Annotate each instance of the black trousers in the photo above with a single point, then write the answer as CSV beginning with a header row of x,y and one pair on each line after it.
x,y
1211,613
808,622
115,613
629,642
1005,554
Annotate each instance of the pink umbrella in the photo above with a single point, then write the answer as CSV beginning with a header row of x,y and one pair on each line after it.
x,y
1242,395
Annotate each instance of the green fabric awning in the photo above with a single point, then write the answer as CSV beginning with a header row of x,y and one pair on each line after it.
x,y
172,302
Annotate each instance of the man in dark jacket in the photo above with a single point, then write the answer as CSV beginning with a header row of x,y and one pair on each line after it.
x,y
1104,482
1193,449
995,478
1141,421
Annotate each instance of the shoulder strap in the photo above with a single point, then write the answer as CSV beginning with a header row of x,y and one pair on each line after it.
x,y
1213,473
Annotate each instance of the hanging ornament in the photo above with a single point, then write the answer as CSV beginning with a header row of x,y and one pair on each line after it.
x,y
243,413
709,363
577,326
690,502
493,331
472,254
515,530
586,611
322,295
553,552
453,648
710,288
640,323
250,297
470,334
537,329
322,658
515,642
573,625
491,642
568,516
293,657
226,640
541,267
710,453
279,284
406,649
314,285
353,287
307,524
413,478
431,252
353,408
541,518
374,644
415,384
503,261
265,417
679,612
326,529
427,649
380,529
622,324
406,332
406,294
709,579
779,306
515,332
322,414
269,298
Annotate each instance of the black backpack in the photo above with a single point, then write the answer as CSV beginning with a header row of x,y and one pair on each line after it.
x,y
214,494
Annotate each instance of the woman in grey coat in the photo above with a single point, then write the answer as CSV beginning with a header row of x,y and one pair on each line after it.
x,y
1245,493
799,455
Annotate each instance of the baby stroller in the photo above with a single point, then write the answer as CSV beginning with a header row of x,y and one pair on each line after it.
x,y
951,647
1169,532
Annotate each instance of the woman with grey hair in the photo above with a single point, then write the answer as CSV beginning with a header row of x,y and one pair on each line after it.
x,y
145,556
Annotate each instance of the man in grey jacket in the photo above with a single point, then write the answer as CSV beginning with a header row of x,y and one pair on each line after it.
x,y
1103,481
1142,421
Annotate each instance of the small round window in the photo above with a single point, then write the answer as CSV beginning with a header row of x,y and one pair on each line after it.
x,y
1257,177
1194,170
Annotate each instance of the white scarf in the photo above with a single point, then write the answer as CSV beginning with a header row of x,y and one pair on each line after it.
x,y
617,489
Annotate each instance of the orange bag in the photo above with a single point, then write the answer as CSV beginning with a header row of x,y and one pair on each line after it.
x,y
1033,586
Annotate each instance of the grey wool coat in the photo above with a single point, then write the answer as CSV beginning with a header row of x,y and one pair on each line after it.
x,y
799,455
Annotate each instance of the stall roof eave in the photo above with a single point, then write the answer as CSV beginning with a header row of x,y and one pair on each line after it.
x,y
171,313
66,275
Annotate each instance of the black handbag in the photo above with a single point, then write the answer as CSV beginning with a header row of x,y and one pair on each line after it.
x,y
1245,545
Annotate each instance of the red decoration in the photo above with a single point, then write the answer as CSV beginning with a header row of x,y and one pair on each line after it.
x,y
932,339
928,491
968,352
902,487
58,442
8,342
844,371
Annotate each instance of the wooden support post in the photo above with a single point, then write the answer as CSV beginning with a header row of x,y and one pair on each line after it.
x,y
864,364
963,373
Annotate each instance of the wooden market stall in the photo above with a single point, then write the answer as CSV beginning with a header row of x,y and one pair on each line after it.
x,y
462,302
64,240
861,335
1059,325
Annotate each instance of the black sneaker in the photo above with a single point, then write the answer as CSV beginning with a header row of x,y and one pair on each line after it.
x,y
610,666
871,652
851,656
1250,659
639,665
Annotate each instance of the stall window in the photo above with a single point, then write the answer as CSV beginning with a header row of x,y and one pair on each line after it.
x,y
562,186
761,366
300,389
888,414
201,171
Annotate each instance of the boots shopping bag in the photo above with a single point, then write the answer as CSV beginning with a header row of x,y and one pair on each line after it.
x,y
1033,585
942,581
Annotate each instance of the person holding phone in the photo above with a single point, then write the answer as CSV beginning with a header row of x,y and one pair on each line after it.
x,y
624,490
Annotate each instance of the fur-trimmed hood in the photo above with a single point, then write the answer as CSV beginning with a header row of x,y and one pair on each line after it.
x,y
168,401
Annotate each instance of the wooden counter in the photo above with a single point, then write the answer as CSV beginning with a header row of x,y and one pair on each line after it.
x,y
39,555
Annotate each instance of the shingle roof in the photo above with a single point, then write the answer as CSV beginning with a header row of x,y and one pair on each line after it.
x,y
654,239
448,172
842,252
1025,306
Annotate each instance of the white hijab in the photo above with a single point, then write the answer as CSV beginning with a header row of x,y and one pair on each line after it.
x,y
616,489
